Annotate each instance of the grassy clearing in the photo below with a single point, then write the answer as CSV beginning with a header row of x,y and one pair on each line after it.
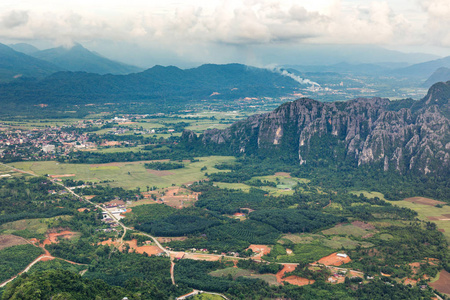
x,y
306,253
128,175
234,272
234,186
425,211
334,242
119,149
33,226
338,242
303,238
347,229
270,279
368,194
206,296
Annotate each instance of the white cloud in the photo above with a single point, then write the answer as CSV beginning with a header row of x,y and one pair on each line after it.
x,y
233,22
438,21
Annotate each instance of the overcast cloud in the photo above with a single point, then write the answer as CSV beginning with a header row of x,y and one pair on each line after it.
x,y
201,26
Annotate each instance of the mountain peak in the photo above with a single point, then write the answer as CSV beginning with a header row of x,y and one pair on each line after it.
x,y
78,58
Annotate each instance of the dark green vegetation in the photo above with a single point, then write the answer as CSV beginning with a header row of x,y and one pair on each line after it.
x,y
14,259
29,197
61,284
164,166
145,89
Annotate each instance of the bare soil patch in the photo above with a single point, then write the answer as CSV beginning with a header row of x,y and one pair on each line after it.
x,y
424,201
261,250
54,236
160,173
299,281
9,240
63,175
284,174
443,284
363,225
170,239
197,256
149,249
177,197
334,260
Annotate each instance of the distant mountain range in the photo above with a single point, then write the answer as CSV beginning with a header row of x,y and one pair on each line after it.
x,y
76,59
440,75
14,64
422,70
159,83
406,135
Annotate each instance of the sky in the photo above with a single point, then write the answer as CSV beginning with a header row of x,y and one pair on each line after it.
x,y
190,31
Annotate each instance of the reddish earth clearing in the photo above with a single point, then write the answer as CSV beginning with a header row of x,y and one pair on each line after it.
x,y
443,284
197,256
424,201
334,260
299,281
363,225
261,250
179,197
53,237
149,249
410,281
160,173
10,240
170,239
284,174
64,175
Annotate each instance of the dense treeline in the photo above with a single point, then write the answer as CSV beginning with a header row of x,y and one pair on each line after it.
x,y
107,193
150,276
14,259
182,222
61,284
29,197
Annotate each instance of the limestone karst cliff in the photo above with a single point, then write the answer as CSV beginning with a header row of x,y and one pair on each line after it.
x,y
407,136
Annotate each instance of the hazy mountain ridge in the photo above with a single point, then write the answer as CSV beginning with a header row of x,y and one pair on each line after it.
x,y
440,75
361,131
15,64
230,81
80,59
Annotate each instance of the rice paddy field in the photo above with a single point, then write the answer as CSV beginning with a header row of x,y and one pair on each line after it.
x,y
128,175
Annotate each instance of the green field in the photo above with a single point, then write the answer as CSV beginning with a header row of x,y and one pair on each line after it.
x,y
269,278
425,211
30,227
347,229
369,194
128,175
234,272
206,296
334,242
285,184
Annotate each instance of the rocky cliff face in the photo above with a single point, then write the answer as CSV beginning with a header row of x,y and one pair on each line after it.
x,y
362,131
